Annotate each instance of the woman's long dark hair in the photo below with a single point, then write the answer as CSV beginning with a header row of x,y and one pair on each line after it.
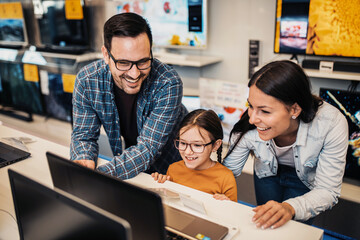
x,y
208,120
287,82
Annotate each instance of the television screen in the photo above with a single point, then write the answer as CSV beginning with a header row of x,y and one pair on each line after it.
x,y
58,103
12,25
17,92
62,26
349,104
317,27
5,93
174,23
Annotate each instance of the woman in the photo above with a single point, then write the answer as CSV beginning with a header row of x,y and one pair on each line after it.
x,y
299,145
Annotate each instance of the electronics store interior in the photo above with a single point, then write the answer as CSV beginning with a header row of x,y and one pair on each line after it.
x,y
218,56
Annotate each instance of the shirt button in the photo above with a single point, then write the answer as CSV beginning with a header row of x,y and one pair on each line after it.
x,y
298,170
296,156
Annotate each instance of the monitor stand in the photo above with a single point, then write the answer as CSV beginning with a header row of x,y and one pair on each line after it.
x,y
18,114
294,58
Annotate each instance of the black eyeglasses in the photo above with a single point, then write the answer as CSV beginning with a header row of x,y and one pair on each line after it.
x,y
195,147
126,65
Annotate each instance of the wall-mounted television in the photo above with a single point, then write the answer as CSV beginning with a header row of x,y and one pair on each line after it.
x,y
317,27
174,23
12,25
18,93
63,27
349,104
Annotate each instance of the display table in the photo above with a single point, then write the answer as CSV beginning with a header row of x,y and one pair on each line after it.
x,y
226,212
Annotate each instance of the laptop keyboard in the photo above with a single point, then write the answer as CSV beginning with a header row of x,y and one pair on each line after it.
x,y
174,236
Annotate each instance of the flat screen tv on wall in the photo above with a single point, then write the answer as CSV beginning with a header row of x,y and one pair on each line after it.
x,y
317,27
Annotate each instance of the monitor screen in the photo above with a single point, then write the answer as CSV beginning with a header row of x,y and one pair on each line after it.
x,y
58,103
141,208
349,104
173,23
44,213
12,25
62,27
17,92
317,27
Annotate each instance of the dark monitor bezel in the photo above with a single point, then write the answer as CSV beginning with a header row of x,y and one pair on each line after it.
x,y
130,193
119,225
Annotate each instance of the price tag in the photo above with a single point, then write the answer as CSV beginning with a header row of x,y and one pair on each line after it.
x,y
11,10
73,10
31,73
68,82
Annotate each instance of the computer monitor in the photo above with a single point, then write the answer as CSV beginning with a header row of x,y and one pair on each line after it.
x,y
44,213
140,207
12,26
62,25
17,92
58,103
174,23
349,104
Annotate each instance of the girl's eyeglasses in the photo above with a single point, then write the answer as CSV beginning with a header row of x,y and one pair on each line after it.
x,y
195,147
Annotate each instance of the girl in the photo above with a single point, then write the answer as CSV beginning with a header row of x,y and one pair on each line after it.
x,y
201,134
299,144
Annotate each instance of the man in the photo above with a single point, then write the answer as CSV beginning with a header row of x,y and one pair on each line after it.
x,y
132,95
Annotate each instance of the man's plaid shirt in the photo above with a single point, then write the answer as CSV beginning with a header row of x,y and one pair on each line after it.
x,y
159,111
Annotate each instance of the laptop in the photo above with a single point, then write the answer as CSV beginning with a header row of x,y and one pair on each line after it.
x,y
142,208
10,154
44,213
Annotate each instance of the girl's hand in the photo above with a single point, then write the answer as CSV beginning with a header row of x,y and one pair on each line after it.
x,y
160,177
219,196
273,214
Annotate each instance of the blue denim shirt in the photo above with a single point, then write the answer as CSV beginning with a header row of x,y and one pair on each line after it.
x,y
159,111
319,155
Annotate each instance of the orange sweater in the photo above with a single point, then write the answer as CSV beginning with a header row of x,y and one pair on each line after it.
x,y
217,179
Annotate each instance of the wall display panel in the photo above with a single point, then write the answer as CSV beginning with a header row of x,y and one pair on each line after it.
x,y
349,104
174,23
318,27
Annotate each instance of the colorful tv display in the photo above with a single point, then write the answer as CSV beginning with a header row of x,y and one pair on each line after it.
x,y
174,23
318,27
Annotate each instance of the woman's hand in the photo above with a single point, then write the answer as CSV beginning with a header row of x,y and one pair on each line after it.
x,y
273,214
219,196
160,177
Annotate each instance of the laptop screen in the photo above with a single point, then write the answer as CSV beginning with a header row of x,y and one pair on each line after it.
x,y
141,208
43,213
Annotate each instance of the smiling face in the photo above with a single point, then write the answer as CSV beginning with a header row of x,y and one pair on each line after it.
x,y
131,49
272,117
196,135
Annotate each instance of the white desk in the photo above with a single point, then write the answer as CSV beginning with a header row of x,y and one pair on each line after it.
x,y
226,212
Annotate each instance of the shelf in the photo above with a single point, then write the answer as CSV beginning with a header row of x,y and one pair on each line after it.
x,y
187,60
350,76
333,75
